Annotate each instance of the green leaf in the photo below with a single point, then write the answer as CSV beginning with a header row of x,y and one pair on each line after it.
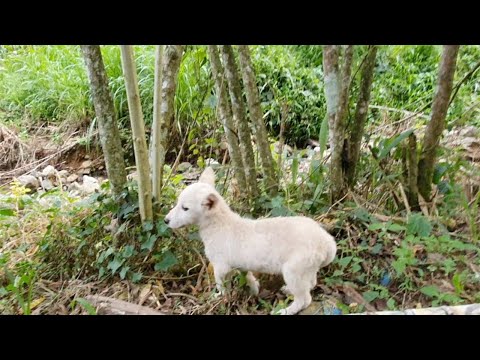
x,y
376,249
163,229
122,228
147,226
391,304
396,227
343,262
168,260
3,291
337,273
399,266
114,265
430,291
242,280
440,170
323,137
136,276
194,236
277,202
376,226
419,225
294,168
7,212
125,210
149,243
393,142
458,283
370,295
362,214
128,251
452,299
356,268
85,304
123,272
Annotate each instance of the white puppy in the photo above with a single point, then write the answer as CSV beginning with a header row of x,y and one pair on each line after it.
x,y
296,247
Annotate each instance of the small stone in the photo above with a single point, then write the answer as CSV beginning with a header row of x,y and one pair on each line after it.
x,y
86,164
63,173
29,181
90,184
47,184
132,176
184,166
48,171
72,178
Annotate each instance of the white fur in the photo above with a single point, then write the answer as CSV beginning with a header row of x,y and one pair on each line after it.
x,y
296,247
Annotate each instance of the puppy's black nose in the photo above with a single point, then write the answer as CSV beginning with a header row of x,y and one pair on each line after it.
x,y
166,221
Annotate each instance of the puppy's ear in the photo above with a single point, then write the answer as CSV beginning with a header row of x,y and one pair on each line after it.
x,y
208,176
210,201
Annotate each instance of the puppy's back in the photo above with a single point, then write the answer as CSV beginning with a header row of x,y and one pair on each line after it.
x,y
298,233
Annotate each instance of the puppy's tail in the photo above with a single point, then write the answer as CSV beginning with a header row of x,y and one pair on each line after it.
x,y
331,250
330,247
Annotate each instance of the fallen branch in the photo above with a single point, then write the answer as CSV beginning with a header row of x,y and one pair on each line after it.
x,y
318,308
472,309
109,306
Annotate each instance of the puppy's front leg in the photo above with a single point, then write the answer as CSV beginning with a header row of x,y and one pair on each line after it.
x,y
220,271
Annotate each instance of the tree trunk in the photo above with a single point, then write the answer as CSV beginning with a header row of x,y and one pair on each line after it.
x,y
156,148
437,123
360,117
106,117
171,66
225,113
336,93
256,116
412,163
239,116
331,80
138,133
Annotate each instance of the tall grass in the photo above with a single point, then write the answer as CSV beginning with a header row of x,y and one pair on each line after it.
x,y
49,83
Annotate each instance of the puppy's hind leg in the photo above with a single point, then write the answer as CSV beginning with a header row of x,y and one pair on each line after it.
x,y
220,271
313,279
252,283
299,285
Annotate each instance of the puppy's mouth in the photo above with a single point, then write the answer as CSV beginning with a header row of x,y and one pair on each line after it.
x,y
174,226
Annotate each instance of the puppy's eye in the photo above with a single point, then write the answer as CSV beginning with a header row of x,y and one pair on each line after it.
x,y
184,208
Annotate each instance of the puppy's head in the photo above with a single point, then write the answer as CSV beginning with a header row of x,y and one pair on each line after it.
x,y
195,203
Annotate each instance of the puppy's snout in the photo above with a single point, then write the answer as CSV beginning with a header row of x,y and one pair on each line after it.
x,y
166,220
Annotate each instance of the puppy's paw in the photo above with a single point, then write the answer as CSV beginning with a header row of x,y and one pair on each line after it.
x,y
285,290
217,294
254,287
279,312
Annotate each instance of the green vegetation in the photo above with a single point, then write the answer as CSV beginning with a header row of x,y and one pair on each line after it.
x,y
56,248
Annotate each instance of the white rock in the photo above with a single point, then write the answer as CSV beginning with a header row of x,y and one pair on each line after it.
x,y
29,181
90,184
63,173
86,164
132,176
48,171
72,178
47,184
